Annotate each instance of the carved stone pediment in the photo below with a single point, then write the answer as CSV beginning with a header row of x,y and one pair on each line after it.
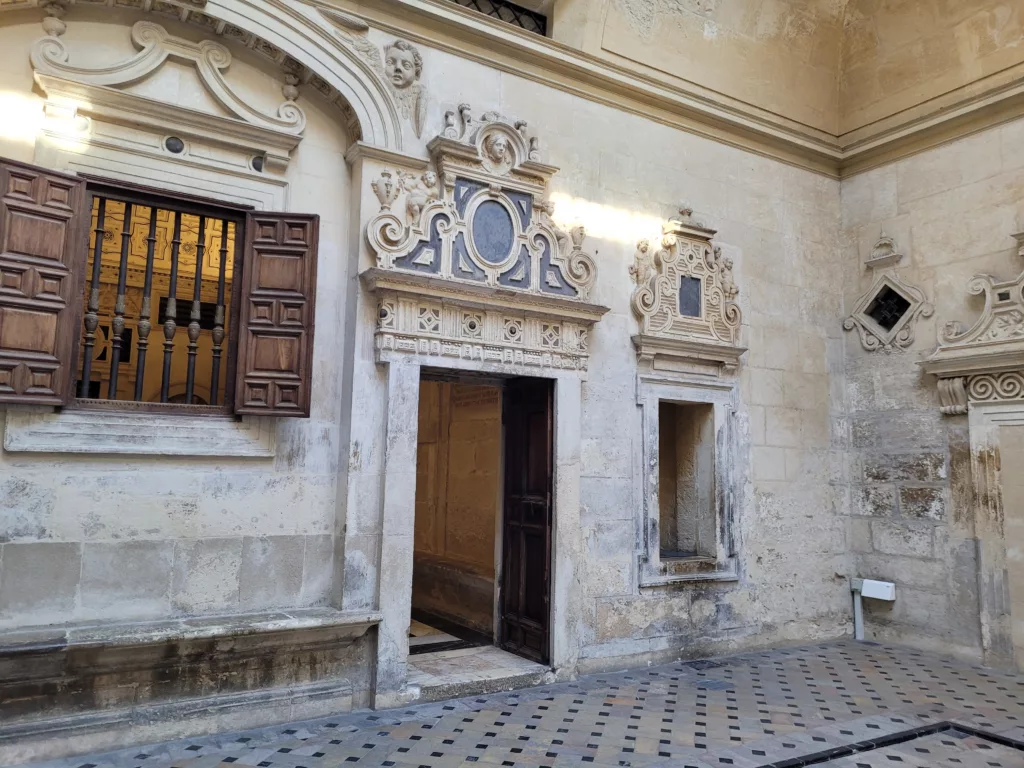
x,y
469,260
985,362
685,301
80,94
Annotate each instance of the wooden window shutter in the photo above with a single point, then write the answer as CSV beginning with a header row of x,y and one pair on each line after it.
x,y
44,231
275,336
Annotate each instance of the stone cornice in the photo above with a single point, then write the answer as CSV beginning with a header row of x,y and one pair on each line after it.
x,y
447,26
654,95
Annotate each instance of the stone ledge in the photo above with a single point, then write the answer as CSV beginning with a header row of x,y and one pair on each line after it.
x,y
113,634
100,432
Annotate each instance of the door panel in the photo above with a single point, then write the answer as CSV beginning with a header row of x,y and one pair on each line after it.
x,y
526,561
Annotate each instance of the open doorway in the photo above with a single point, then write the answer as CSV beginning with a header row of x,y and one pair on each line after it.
x,y
482,543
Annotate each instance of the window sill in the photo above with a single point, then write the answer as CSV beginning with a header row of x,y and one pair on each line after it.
x,y
102,432
686,570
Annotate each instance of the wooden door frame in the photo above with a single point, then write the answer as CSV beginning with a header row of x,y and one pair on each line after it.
x,y
398,411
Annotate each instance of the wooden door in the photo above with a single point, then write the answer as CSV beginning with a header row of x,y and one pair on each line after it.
x,y
526,549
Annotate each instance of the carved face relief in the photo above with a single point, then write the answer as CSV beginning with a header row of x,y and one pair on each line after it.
x,y
402,64
496,147
430,179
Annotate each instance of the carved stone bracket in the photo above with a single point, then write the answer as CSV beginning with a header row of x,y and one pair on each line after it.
x,y
685,301
469,261
983,363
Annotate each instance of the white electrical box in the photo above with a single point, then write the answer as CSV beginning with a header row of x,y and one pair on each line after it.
x,y
877,590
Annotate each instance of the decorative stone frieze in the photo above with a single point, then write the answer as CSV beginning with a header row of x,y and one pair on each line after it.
x,y
886,315
983,363
469,262
685,300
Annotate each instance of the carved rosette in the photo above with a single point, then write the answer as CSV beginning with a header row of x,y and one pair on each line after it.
x,y
474,237
685,297
983,363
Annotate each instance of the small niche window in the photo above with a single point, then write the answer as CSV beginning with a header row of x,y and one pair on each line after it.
x,y
887,308
686,482
689,296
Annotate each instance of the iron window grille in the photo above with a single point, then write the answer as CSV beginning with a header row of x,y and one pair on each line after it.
x,y
511,13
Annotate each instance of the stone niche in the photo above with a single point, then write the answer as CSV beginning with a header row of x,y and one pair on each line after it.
x,y
688,353
470,263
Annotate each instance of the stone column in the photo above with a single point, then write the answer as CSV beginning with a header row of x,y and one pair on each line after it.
x,y
567,543
397,529
993,586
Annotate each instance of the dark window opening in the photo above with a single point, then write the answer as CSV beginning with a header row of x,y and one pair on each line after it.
x,y
887,308
689,296
511,13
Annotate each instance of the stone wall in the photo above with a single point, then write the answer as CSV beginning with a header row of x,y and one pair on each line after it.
x,y
192,535
622,176
951,212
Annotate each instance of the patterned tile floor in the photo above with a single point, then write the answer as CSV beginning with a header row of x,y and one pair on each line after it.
x,y
842,705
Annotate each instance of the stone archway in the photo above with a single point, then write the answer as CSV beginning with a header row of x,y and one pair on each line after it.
x,y
301,41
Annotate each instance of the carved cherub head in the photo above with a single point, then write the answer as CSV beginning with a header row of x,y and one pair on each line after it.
x,y
430,179
403,64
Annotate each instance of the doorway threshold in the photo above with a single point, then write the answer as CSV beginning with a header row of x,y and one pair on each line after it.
x,y
451,674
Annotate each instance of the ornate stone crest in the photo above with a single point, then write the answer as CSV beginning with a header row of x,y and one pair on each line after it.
x,y
468,254
685,297
886,315
983,363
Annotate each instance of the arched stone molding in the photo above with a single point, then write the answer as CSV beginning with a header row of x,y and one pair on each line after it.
x,y
297,38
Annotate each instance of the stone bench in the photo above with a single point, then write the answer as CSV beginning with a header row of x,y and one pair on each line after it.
x,y
70,688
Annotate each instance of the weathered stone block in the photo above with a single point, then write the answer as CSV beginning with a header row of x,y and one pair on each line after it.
x,y
923,502
901,539
205,575
894,467
876,500
904,572
271,571
860,535
105,566
39,578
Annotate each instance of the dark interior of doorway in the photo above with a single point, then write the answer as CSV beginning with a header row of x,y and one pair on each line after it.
x,y
482,551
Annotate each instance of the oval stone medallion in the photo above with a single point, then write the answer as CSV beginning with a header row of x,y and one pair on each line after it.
x,y
493,233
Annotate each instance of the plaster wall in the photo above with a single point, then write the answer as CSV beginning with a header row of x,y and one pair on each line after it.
x,y
951,211
897,55
92,537
748,51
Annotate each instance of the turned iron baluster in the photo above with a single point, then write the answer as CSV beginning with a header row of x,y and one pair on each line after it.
x,y
144,326
218,320
171,312
119,305
193,326
92,317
